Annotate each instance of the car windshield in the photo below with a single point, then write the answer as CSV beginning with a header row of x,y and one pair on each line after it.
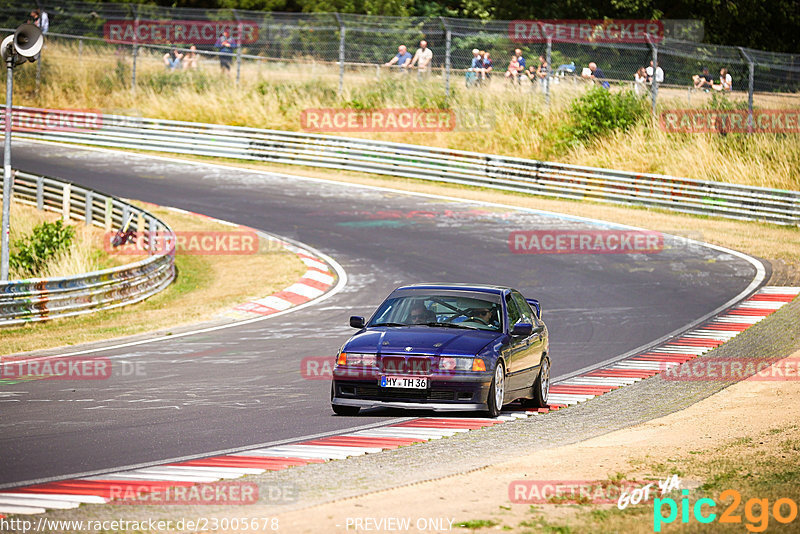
x,y
470,310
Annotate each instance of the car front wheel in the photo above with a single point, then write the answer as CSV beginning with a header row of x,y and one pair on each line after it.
x,y
497,391
541,387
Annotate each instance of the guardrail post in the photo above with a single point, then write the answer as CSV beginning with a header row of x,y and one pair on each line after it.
x,y
448,36
342,31
88,208
140,231
39,193
66,200
750,81
109,215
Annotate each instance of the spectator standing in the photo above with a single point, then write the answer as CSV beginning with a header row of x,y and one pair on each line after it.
x,y
191,59
703,81
659,74
41,20
172,59
402,59
596,75
225,45
725,81
422,58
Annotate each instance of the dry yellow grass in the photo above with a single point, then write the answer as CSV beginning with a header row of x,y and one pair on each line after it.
x,y
273,95
206,285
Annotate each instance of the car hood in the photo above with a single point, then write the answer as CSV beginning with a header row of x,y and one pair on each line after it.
x,y
422,340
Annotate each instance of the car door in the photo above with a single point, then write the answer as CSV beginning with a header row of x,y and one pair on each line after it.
x,y
518,358
535,347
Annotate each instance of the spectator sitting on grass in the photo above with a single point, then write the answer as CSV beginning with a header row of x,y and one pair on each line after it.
x,y
640,79
725,81
172,59
402,59
531,74
703,81
596,75
191,58
487,65
513,69
423,57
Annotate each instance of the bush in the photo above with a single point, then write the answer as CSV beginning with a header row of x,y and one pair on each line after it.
x,y
600,112
34,250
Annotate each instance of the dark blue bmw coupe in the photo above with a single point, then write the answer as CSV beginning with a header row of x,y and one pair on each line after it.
x,y
445,347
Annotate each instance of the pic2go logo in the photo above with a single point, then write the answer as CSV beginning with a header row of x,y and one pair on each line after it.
x,y
756,511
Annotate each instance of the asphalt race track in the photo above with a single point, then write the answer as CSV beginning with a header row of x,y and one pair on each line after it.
x,y
242,385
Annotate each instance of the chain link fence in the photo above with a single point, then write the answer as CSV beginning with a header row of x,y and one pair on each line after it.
x,y
343,47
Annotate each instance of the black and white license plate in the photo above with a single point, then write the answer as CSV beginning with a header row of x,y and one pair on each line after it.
x,y
407,382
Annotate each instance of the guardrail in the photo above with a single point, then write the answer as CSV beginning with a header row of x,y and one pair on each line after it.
x,y
542,178
39,299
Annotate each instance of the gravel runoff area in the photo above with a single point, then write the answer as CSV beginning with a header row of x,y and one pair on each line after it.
x,y
300,487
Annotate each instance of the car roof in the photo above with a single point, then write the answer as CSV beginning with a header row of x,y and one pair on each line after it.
x,y
481,288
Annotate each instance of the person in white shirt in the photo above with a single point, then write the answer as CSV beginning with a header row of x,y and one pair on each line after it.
x,y
422,58
640,79
659,74
725,81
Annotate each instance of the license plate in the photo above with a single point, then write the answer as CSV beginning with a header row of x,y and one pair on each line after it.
x,y
407,382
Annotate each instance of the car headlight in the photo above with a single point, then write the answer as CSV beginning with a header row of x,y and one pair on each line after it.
x,y
461,364
355,359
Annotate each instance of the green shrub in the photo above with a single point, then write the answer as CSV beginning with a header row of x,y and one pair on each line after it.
x,y
34,250
600,112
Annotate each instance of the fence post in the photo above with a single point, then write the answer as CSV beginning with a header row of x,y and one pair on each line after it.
x,y
342,31
109,215
239,31
135,48
750,80
654,87
447,40
549,70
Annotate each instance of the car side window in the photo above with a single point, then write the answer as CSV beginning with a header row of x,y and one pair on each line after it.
x,y
524,307
513,312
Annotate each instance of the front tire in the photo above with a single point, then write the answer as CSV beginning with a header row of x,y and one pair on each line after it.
x,y
343,410
541,387
497,391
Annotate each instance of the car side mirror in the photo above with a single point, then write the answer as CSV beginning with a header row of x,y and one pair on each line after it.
x,y
522,330
357,321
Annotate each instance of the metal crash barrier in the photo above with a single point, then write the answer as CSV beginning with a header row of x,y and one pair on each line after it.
x,y
38,299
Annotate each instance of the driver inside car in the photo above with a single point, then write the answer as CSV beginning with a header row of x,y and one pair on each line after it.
x,y
419,314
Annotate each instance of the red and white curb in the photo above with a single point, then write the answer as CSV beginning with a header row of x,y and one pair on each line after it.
x,y
675,352
318,279
100,489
